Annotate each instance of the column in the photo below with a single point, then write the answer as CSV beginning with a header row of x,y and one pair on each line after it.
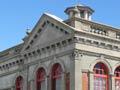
x,y
72,75
90,18
71,15
86,15
32,85
49,82
78,70
91,81
78,75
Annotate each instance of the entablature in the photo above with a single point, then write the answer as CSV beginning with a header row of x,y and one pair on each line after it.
x,y
82,53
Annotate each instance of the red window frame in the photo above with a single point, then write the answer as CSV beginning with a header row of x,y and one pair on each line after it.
x,y
101,74
56,74
117,78
40,77
19,83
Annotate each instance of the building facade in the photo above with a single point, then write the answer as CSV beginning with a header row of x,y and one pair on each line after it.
x,y
72,54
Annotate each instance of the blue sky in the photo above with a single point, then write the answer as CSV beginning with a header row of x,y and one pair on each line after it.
x,y
18,15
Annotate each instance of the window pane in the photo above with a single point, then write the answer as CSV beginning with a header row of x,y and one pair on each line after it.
x,y
100,83
58,84
43,86
117,84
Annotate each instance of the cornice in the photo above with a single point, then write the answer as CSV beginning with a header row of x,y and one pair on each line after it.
x,y
52,57
97,43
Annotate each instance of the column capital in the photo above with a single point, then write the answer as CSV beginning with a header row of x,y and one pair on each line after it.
x,y
77,55
85,71
111,74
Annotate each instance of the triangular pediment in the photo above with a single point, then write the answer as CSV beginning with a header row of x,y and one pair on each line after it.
x,y
48,29
49,34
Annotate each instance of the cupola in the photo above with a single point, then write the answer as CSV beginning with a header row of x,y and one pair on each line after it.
x,y
79,11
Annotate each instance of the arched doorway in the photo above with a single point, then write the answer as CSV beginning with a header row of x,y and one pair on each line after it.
x,y
101,77
40,79
117,78
56,77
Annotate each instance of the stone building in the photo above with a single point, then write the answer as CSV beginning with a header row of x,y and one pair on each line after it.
x,y
72,54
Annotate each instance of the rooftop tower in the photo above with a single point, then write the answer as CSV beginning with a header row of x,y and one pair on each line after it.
x,y
79,11
77,14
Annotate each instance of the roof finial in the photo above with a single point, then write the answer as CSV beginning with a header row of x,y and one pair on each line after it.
x,y
78,3
28,31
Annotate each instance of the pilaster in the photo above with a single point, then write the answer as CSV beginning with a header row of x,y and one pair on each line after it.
x,y
91,81
32,85
49,83
112,82
46,83
78,70
63,82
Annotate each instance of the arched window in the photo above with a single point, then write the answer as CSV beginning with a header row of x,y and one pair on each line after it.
x,y
117,78
100,77
19,83
56,77
40,79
